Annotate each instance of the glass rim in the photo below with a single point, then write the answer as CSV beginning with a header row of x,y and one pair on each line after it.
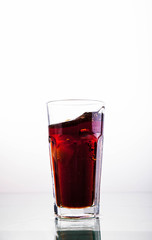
x,y
79,101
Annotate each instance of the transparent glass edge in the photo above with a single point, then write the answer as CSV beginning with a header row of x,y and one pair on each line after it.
x,y
75,100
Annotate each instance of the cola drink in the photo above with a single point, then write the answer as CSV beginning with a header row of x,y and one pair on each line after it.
x,y
75,155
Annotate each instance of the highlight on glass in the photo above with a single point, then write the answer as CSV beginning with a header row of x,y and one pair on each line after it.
x,y
75,129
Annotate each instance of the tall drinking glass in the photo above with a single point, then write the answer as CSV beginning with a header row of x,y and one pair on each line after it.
x,y
75,142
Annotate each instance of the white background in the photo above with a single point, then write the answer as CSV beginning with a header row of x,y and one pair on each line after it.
x,y
75,49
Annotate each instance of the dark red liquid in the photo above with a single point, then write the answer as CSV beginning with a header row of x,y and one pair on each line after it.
x,y
75,150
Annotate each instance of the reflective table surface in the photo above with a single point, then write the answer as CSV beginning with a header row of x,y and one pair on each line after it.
x,y
30,216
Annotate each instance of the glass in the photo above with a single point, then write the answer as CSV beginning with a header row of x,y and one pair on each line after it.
x,y
75,144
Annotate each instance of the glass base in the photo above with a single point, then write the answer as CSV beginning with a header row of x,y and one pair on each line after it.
x,y
76,213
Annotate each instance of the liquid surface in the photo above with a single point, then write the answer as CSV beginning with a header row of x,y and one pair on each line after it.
x,y
75,149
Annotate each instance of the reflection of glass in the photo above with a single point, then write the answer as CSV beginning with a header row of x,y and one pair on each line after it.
x,y
78,230
75,142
